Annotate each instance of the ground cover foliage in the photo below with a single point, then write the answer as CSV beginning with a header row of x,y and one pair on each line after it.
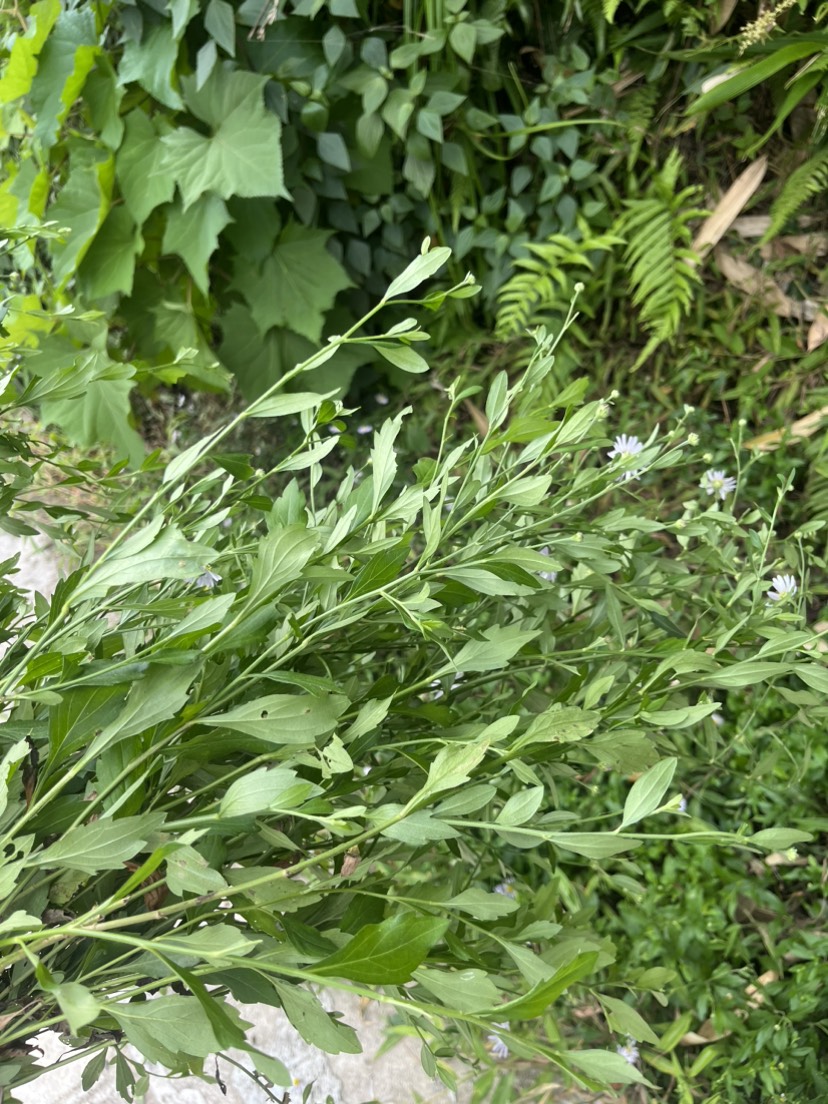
x,y
390,729
232,181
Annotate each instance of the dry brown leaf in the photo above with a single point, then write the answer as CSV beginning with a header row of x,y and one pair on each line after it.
x,y
478,417
727,209
810,245
803,427
706,1034
781,858
817,332
757,284
751,226
755,998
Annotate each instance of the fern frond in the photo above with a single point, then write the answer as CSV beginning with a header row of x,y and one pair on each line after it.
x,y
661,266
808,180
639,110
542,286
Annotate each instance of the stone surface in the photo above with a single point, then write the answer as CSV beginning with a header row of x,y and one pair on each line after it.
x,y
394,1078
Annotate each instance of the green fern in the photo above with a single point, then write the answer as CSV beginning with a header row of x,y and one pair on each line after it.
x,y
660,263
543,286
808,180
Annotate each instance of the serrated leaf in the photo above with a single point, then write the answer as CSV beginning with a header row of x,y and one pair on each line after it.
x,y
193,234
647,792
243,155
143,183
102,845
296,284
386,953
168,1027
156,698
102,416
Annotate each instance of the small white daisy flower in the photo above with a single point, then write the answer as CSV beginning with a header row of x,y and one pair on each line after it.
x,y
782,586
499,1049
629,1052
624,449
716,482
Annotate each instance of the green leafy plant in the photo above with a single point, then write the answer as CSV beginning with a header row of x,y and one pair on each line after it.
x,y
328,742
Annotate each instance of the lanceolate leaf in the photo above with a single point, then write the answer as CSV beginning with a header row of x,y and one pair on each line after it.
x,y
386,953
101,845
284,718
647,792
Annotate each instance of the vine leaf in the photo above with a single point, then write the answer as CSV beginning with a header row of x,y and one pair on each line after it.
x,y
243,156
144,185
65,62
296,284
109,265
79,210
193,234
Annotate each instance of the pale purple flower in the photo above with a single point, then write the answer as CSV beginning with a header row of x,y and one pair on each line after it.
x,y
716,482
682,805
629,1052
381,400
550,576
506,888
782,586
624,449
363,429
207,579
499,1049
